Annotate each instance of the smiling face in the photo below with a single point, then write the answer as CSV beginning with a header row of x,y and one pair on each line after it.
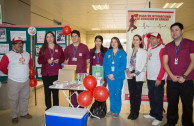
x,y
136,41
154,41
50,38
75,38
18,46
98,43
176,32
114,44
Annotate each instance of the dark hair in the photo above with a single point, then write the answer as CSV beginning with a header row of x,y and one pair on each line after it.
x,y
119,43
180,25
45,45
140,38
102,48
76,32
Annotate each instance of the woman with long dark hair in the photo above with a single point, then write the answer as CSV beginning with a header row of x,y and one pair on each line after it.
x,y
114,64
50,57
97,54
136,75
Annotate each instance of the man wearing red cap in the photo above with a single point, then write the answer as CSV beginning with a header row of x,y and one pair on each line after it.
x,y
178,60
155,78
16,64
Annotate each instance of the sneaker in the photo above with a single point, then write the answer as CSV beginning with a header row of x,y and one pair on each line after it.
x,y
15,120
148,116
27,116
109,114
156,122
115,115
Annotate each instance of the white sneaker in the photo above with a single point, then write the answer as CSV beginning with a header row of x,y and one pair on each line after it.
x,y
148,116
156,122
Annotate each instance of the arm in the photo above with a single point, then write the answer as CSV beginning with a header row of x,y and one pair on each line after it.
x,y
87,55
41,59
143,63
167,69
61,59
4,64
162,71
30,62
91,63
122,67
105,66
66,58
189,69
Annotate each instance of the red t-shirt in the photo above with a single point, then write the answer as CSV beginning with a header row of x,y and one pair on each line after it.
x,y
186,48
47,69
82,54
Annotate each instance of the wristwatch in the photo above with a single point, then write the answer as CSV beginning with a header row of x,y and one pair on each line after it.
x,y
184,76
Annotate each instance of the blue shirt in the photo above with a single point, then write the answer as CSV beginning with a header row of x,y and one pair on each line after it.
x,y
119,64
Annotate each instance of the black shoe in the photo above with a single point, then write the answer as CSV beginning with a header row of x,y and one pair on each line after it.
x,y
135,116
130,115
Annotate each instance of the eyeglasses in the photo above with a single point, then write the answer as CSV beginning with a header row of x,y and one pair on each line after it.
x,y
74,36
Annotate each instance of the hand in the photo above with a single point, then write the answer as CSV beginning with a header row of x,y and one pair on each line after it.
x,y
157,83
49,61
66,61
130,75
56,61
175,78
181,80
111,77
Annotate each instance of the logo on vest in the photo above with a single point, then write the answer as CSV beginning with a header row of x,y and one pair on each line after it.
x,y
150,55
21,60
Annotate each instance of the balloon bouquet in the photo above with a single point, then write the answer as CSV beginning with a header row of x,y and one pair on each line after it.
x,y
99,93
33,81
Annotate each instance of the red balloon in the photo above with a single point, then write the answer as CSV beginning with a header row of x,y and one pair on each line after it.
x,y
90,82
32,72
33,82
85,98
66,30
100,93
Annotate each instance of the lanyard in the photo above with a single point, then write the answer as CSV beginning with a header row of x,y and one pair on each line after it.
x,y
52,54
74,50
176,50
113,57
98,56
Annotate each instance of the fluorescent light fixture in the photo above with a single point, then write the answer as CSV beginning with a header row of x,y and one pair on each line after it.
x,y
165,5
179,4
172,5
100,7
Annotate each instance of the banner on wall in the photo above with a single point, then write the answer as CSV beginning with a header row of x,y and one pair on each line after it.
x,y
144,22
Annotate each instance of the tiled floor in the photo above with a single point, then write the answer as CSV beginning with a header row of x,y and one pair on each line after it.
x,y
38,114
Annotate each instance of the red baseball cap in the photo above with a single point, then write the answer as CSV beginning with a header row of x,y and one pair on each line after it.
x,y
155,34
17,39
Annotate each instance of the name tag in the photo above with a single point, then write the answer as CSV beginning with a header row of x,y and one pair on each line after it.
x,y
74,59
80,54
176,61
113,68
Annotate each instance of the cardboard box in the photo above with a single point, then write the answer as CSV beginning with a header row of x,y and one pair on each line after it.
x,y
66,116
68,73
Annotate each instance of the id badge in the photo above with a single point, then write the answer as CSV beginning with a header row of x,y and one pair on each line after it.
x,y
52,58
74,59
97,64
113,68
176,61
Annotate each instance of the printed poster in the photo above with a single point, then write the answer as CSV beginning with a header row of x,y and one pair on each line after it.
x,y
40,36
21,34
144,22
3,37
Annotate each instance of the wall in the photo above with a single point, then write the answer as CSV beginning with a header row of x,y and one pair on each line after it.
x,y
16,12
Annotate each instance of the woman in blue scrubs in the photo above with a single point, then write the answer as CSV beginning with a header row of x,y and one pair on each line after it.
x,y
114,64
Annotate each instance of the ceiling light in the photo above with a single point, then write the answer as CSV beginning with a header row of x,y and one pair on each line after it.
x,y
179,4
172,5
95,29
165,5
100,7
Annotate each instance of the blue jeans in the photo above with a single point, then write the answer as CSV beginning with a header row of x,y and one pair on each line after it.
x,y
156,96
115,89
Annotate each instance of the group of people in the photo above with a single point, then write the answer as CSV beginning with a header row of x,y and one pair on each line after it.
x,y
176,58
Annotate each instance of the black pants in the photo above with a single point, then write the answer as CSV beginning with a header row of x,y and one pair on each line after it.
x,y
48,81
185,91
156,96
135,90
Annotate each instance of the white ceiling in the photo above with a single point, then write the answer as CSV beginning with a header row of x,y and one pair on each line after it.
x,y
81,13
